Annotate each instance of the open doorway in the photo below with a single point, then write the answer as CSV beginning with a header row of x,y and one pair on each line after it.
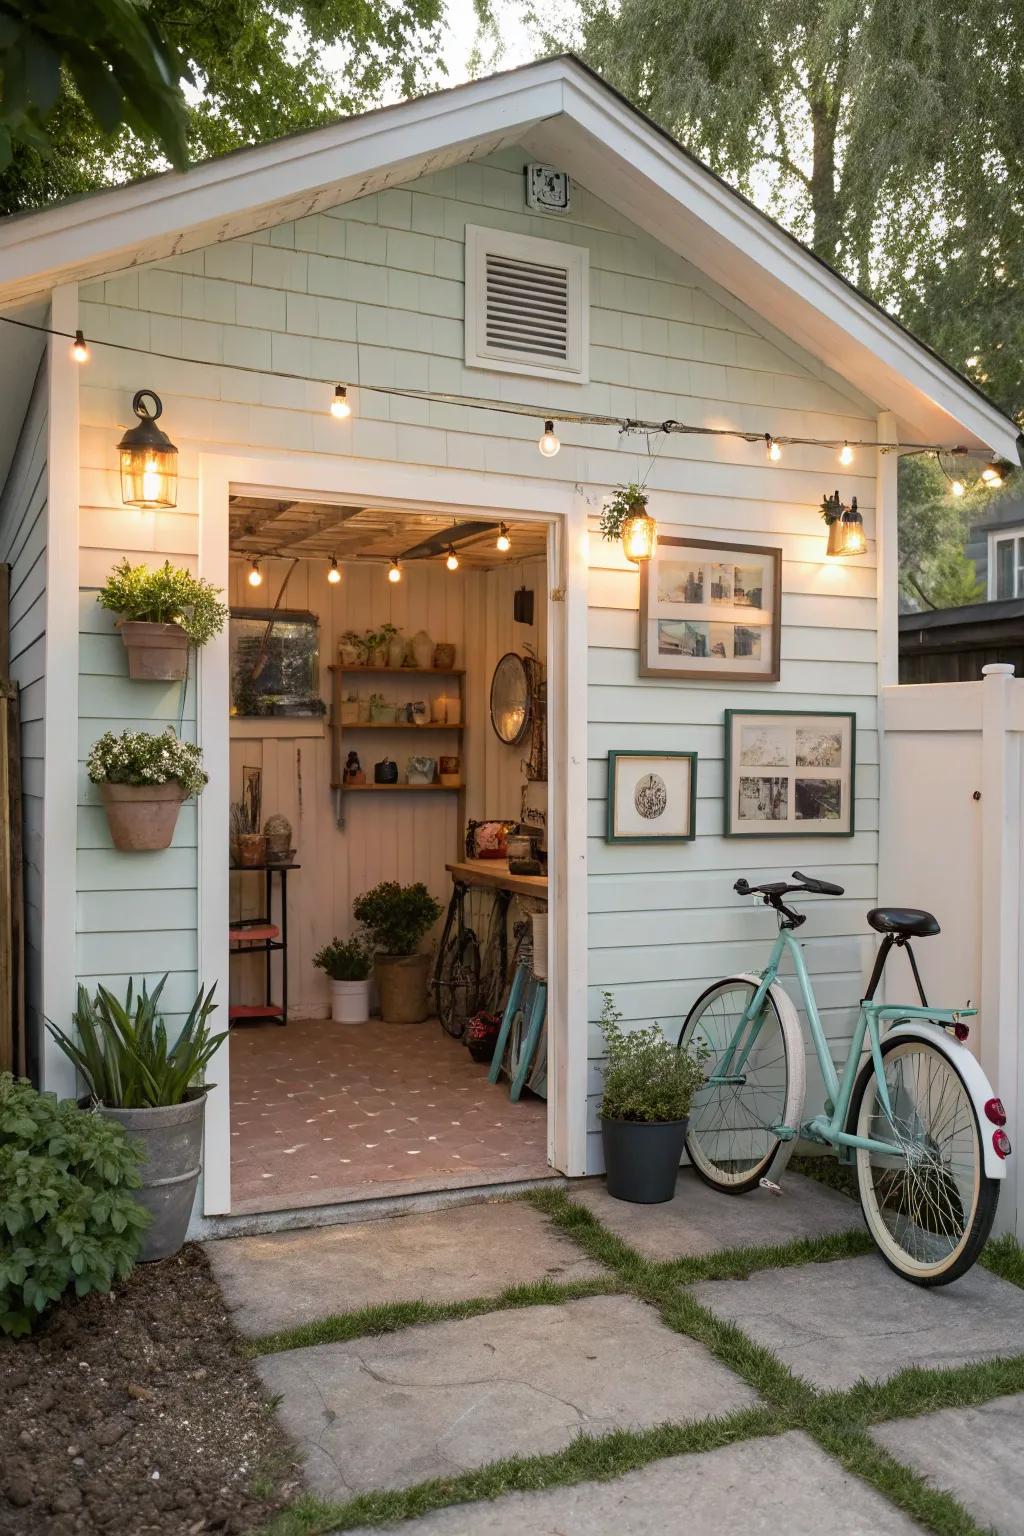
x,y
370,742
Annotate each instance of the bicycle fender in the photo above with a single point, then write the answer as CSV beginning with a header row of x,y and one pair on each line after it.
x,y
978,1085
797,1064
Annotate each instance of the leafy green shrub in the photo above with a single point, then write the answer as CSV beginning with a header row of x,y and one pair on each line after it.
x,y
67,1215
125,1057
626,500
140,757
168,595
646,1077
345,959
396,916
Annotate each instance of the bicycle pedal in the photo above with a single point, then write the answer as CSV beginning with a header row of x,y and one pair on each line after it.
x,y
770,1186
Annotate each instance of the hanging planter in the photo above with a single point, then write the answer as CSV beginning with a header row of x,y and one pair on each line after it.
x,y
626,517
160,614
143,779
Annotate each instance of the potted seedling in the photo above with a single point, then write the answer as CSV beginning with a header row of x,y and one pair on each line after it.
x,y
397,918
160,613
348,963
143,778
626,517
154,1089
649,1085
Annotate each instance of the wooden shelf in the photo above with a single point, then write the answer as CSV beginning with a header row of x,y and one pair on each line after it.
x,y
414,788
401,671
399,725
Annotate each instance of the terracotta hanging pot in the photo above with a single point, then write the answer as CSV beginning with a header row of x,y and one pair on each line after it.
x,y
141,817
156,652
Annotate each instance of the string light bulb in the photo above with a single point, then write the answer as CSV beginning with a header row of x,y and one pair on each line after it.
x,y
80,348
255,575
774,448
394,571
333,574
957,487
504,542
992,475
452,561
340,408
549,444
846,454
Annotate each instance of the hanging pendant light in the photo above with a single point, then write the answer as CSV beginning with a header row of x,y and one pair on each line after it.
x,y
340,408
846,455
394,570
80,348
639,536
149,460
452,561
774,450
333,574
549,444
504,541
255,574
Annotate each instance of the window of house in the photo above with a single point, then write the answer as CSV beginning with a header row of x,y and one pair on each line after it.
x,y
527,305
1006,563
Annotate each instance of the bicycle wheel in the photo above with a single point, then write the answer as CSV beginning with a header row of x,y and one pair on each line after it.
x,y
494,957
731,1138
458,983
930,1204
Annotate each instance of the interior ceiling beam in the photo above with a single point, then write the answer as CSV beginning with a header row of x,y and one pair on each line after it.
x,y
284,540
438,542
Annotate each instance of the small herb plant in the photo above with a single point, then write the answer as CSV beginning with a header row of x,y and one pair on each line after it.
x,y
396,917
141,757
168,595
626,500
67,1215
124,1053
646,1077
345,959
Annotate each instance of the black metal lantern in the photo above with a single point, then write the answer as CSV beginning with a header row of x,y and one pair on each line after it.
x,y
845,527
149,460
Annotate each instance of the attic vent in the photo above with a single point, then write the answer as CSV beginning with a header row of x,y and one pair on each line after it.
x,y
527,307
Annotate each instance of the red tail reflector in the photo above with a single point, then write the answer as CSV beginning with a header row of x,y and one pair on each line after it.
x,y
995,1111
1001,1142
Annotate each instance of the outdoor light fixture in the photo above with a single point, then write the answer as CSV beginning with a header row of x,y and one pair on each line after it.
x,y
79,348
394,570
845,527
957,487
639,536
334,575
994,474
549,444
504,543
340,407
846,454
149,460
774,450
255,575
452,561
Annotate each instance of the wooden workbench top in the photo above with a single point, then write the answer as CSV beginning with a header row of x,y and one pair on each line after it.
x,y
494,874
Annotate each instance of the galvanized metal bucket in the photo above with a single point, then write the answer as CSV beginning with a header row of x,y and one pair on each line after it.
x,y
171,1140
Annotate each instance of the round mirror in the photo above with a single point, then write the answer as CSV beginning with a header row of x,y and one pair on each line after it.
x,y
511,701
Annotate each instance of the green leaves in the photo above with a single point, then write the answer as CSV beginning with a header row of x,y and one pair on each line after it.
x,y
142,757
167,595
646,1078
626,500
396,916
345,959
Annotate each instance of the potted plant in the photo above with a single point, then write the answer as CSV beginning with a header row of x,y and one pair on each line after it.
x,y
160,614
350,651
348,963
143,779
153,1089
625,517
396,918
649,1086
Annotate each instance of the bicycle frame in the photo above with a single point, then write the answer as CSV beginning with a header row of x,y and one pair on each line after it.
x,y
830,1125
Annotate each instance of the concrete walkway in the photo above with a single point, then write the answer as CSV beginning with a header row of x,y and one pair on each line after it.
x,y
387,1410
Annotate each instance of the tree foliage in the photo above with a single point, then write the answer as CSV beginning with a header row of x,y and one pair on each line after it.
x,y
934,572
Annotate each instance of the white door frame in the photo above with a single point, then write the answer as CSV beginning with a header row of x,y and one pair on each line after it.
x,y
496,497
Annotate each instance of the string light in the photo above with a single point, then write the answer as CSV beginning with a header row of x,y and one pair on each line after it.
x,y
774,450
452,561
992,475
334,575
846,454
340,408
549,444
80,348
957,487
394,571
255,575
504,542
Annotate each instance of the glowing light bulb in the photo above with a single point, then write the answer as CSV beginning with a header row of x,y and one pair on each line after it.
x,y
992,475
452,561
340,407
957,487
846,454
394,572
774,450
255,575
504,543
549,444
334,575
151,480
79,348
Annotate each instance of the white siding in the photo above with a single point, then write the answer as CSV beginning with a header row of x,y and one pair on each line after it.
x,y
23,526
373,292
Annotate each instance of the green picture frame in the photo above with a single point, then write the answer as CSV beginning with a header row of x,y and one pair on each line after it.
x,y
647,795
779,772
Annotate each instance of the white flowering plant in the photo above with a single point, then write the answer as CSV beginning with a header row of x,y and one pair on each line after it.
x,y
141,757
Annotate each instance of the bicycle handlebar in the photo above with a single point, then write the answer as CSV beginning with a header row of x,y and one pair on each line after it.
x,y
774,890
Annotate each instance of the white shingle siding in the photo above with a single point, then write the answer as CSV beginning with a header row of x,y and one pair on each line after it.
x,y
373,291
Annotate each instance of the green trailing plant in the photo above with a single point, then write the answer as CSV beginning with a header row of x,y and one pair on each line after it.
x,y
626,500
141,757
124,1053
396,917
345,959
646,1077
68,1218
167,595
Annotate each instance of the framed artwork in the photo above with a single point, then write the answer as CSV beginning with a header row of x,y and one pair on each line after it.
x,y
652,797
711,610
789,774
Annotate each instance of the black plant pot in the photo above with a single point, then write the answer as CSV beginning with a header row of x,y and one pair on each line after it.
x,y
642,1157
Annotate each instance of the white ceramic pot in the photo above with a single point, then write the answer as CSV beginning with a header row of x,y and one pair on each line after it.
x,y
350,1001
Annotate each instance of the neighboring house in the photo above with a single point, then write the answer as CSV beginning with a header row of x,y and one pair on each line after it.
x,y
359,253
996,545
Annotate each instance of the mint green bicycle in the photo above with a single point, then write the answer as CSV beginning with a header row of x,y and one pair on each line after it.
x,y
918,1119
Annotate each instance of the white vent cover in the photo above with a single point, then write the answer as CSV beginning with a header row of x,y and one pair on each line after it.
x,y
527,304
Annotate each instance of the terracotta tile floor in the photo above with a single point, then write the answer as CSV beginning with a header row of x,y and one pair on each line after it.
x,y
323,1112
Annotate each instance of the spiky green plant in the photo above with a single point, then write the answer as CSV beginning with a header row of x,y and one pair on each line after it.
x,y
124,1054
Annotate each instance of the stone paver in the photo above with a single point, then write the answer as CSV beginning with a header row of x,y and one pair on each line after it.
x,y
835,1323
289,1278
760,1486
976,1454
701,1220
435,1400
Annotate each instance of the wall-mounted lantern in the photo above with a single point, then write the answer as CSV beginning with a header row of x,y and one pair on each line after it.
x,y
845,527
149,460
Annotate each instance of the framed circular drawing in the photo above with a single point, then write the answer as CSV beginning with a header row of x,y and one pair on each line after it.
x,y
511,700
